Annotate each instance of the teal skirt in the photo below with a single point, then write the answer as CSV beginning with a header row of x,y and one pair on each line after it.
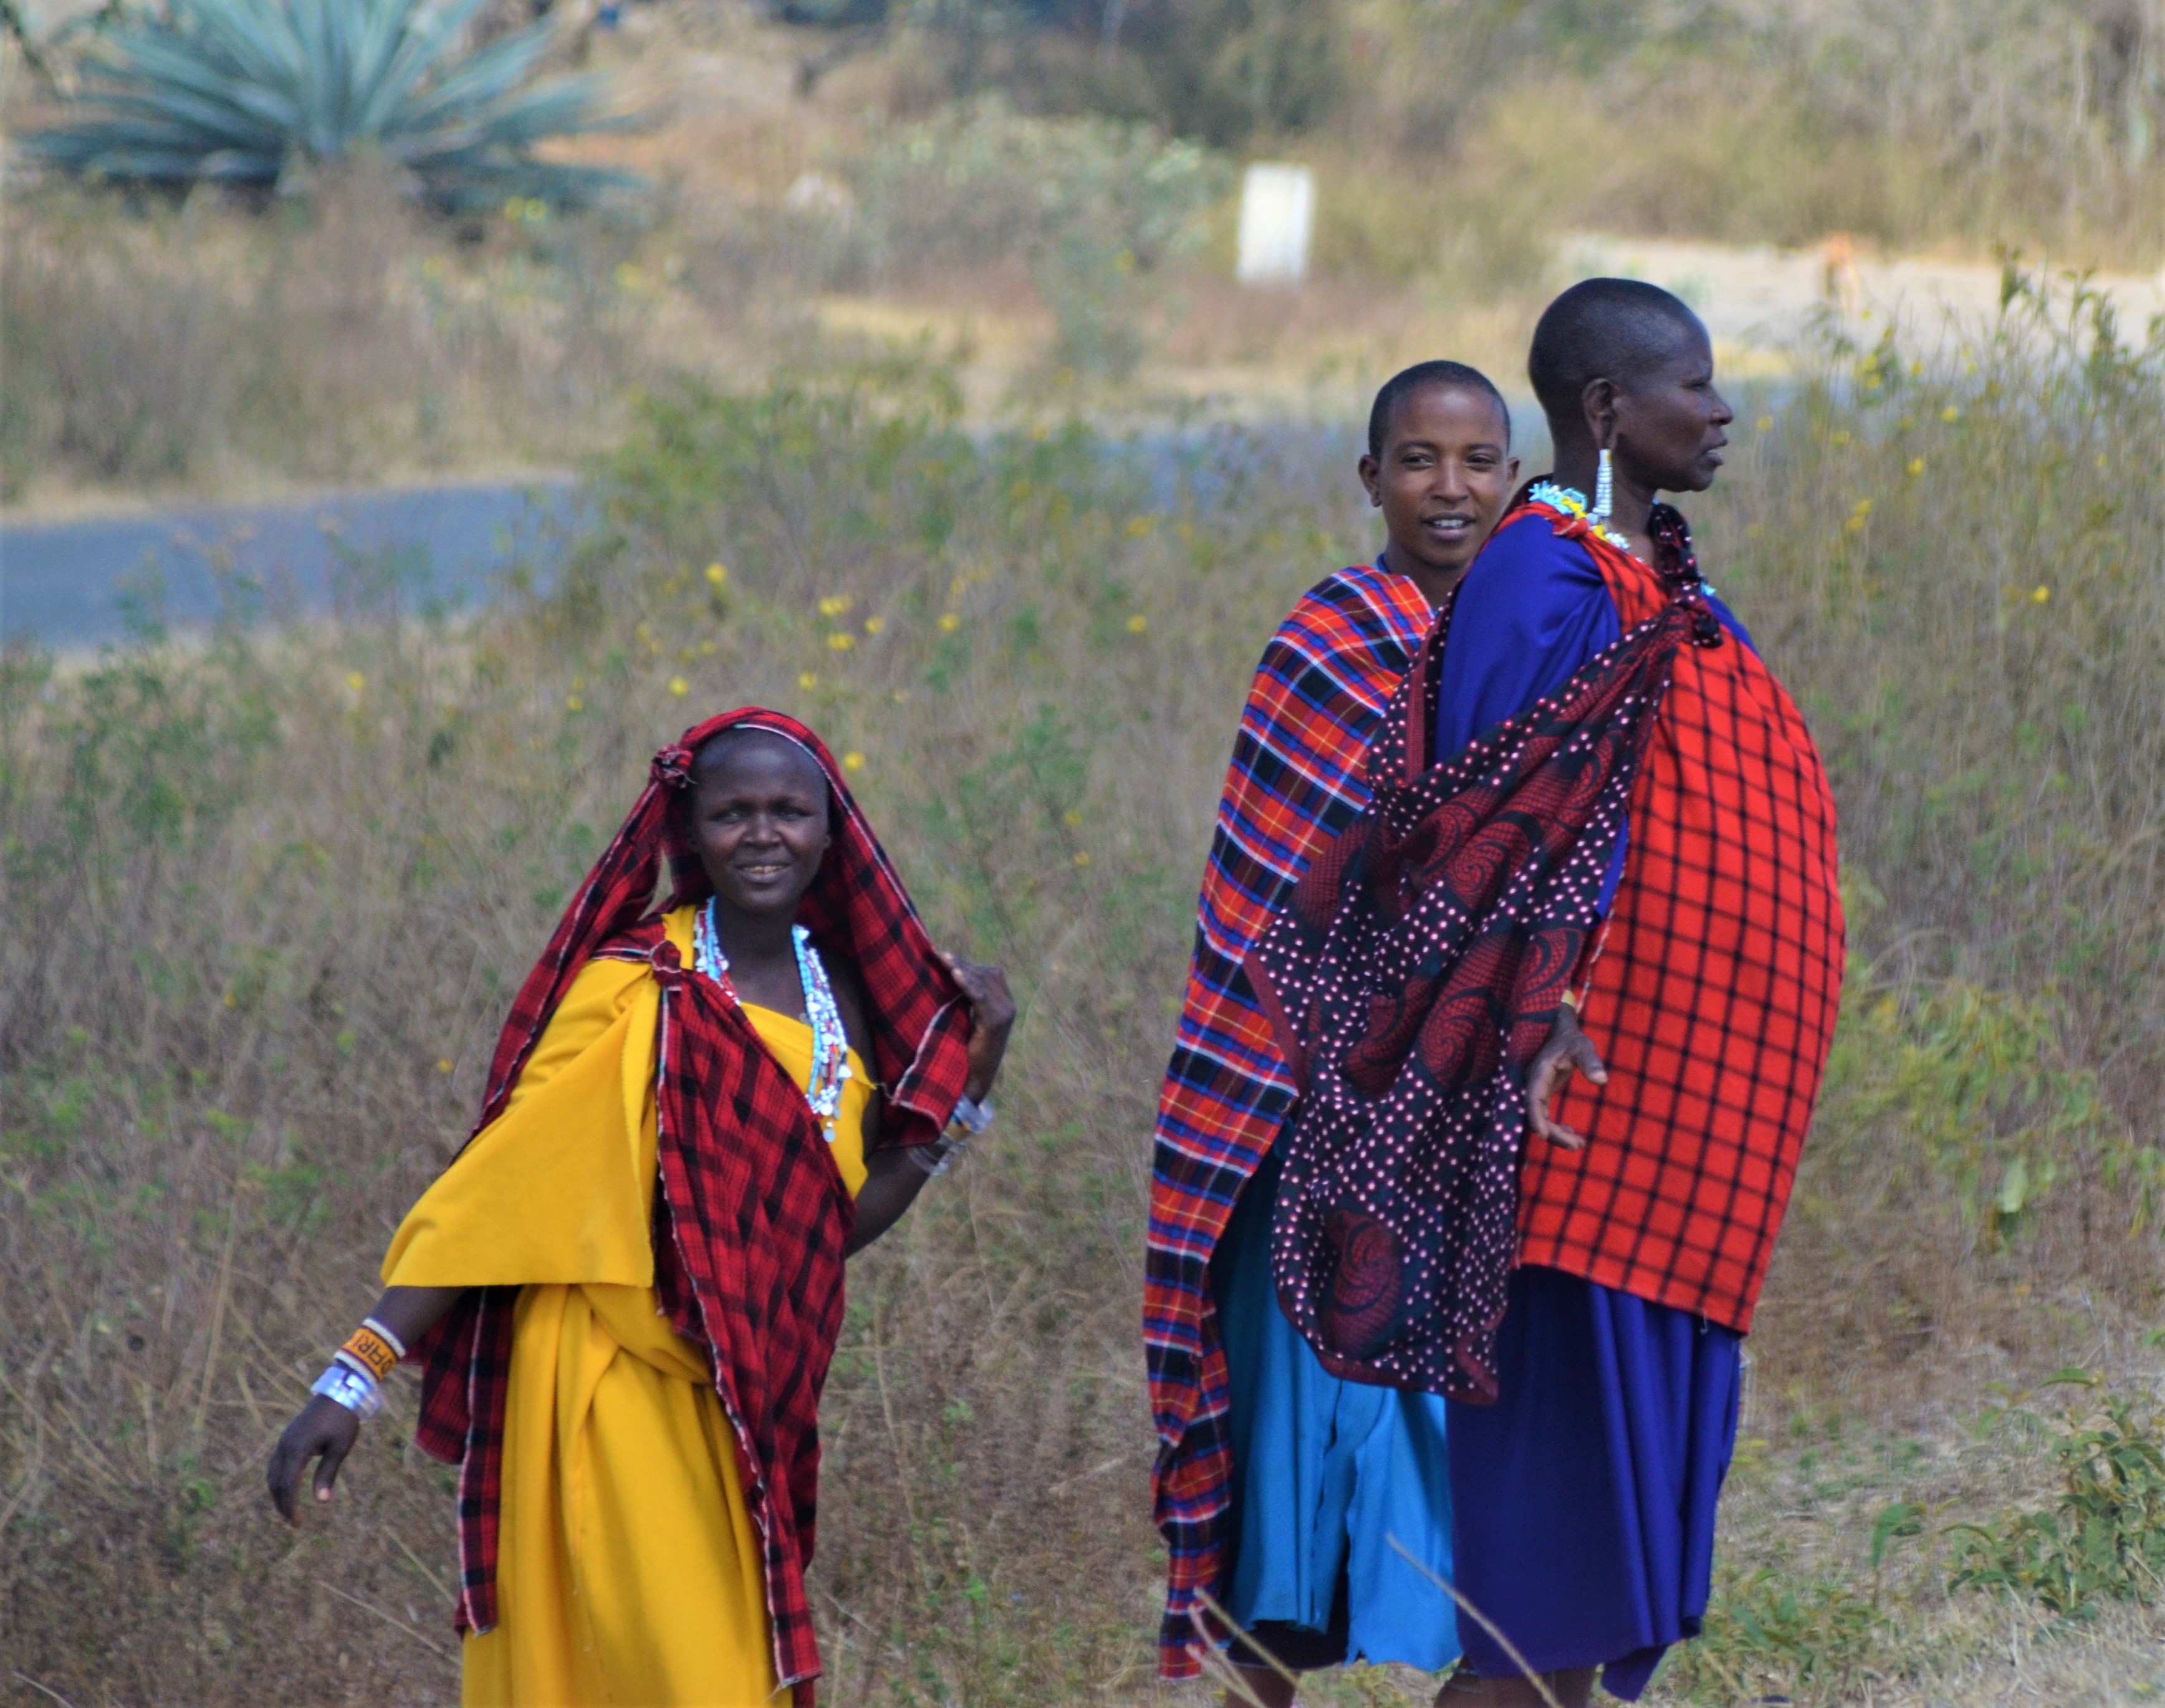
x,y
1327,1475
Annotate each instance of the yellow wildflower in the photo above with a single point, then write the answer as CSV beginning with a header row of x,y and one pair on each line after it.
x,y
1071,818
874,625
807,681
1140,527
839,642
443,1064
716,575
1916,466
1842,436
355,681
1138,623
834,604
1951,413
949,623
2042,594
1082,857
572,703
853,761
1764,423
679,687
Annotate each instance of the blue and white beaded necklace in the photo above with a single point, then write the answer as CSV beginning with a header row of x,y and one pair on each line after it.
x,y
830,1045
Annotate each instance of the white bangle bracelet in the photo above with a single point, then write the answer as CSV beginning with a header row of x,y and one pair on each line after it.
x,y
353,1388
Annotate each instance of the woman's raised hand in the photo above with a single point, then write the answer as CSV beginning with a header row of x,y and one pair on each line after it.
x,y
324,1429
991,1018
1567,1050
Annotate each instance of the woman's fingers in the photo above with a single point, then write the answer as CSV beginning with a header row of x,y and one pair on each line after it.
x,y
326,1431
991,1006
1566,1051
283,1476
1587,1059
327,1470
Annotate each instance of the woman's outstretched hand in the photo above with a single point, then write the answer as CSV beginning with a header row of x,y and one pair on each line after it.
x,y
1566,1050
991,1018
325,1430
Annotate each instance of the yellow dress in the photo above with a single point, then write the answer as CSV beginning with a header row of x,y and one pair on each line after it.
x,y
628,1571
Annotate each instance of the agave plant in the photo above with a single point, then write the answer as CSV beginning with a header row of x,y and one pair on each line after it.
x,y
252,92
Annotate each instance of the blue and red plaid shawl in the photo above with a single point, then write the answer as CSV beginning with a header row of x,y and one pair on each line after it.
x,y
751,1215
1298,776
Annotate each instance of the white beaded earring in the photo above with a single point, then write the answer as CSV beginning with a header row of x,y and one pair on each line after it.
x,y
1605,492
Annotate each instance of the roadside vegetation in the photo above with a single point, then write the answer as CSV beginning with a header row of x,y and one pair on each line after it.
x,y
1035,188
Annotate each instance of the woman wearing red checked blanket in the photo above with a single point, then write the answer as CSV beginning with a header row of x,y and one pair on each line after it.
x,y
625,1292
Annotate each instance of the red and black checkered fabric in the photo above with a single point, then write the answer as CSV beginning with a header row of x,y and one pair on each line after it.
x,y
752,1216
1714,995
1417,969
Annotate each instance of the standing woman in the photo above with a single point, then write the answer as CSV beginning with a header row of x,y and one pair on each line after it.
x,y
626,1289
1281,1489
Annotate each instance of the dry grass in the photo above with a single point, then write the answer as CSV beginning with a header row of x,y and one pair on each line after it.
x,y
281,887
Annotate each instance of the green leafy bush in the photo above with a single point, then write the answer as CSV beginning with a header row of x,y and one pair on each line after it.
x,y
257,91
2104,1539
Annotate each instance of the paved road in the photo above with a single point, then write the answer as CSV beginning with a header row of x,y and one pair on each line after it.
x,y
78,584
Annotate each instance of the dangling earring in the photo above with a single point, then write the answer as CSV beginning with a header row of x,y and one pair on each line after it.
x,y
1605,492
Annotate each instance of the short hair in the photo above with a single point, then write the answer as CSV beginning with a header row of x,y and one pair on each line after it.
x,y
1619,330
1445,375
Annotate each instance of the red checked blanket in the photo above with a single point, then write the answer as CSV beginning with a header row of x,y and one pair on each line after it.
x,y
750,1218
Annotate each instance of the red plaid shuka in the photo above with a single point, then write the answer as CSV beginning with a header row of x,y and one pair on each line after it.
x,y
1714,998
751,1216
1298,776
1417,969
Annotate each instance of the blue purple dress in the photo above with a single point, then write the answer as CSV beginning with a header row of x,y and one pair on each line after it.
x,y
1583,1502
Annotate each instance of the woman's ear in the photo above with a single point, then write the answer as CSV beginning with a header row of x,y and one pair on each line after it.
x,y
1599,400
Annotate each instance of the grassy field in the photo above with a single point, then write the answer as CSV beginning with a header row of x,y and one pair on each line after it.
x,y
850,390
282,885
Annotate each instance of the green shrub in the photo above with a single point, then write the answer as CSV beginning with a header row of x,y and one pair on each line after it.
x,y
2104,1539
261,92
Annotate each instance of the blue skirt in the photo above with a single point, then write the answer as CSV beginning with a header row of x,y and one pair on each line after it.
x,y
1582,1501
1326,1473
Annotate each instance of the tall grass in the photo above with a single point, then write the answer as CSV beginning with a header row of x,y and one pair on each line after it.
x,y
276,891
151,345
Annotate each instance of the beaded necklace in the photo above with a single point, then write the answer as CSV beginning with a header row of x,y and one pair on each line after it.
x,y
830,1044
1572,503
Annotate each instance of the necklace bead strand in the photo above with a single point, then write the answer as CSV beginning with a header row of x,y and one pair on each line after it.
x,y
830,1043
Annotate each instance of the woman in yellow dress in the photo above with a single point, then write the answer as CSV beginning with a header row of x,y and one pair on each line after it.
x,y
625,1290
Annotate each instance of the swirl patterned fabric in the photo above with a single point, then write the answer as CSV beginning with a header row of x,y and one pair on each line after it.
x,y
1417,971
751,1216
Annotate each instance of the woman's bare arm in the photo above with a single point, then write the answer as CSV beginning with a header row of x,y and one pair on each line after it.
x,y
325,1430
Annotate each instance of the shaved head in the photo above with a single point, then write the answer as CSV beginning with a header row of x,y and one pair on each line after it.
x,y
717,752
1617,330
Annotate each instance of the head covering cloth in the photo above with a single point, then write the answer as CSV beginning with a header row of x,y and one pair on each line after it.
x,y
750,1215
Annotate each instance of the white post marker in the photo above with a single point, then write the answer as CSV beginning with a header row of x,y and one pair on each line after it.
x,y
1277,213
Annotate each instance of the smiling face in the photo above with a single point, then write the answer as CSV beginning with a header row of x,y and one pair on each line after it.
x,y
1442,480
759,818
1669,426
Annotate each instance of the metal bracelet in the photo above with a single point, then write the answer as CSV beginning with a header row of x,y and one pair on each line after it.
x,y
351,1387
939,1157
971,1116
